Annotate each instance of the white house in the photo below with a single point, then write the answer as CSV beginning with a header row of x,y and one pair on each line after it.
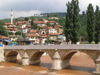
x,y
25,30
52,30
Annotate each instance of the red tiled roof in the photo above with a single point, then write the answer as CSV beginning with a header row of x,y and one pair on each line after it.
x,y
44,19
7,23
36,19
45,36
24,28
43,26
28,26
33,31
10,28
52,21
4,37
49,27
60,26
29,19
30,35
39,22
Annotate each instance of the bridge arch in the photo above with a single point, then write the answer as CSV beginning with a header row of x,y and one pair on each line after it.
x,y
68,56
35,57
11,56
11,53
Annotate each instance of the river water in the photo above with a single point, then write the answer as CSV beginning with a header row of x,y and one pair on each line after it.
x,y
81,64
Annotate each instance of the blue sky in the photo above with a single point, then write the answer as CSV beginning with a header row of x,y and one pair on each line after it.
x,y
31,7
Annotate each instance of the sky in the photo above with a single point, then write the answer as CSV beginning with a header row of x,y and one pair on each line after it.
x,y
26,8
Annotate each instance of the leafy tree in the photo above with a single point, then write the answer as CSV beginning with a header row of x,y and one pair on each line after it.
x,y
10,33
23,35
90,23
68,24
18,33
33,26
2,22
3,31
32,17
76,27
83,13
72,22
97,25
17,19
26,19
48,24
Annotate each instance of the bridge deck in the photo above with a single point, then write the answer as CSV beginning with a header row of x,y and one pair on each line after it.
x,y
73,46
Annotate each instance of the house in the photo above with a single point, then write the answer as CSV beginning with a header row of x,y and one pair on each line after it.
x,y
59,28
53,18
52,22
61,38
53,36
34,38
4,40
44,20
32,32
39,23
52,30
43,38
43,29
25,30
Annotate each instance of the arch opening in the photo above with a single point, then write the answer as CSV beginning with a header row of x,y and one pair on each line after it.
x,y
13,56
41,58
79,61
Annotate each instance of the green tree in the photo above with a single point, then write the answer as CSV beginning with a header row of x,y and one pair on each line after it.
x,y
23,35
48,24
69,22
72,22
90,23
26,19
33,26
2,22
76,27
97,25
18,33
83,13
3,31
32,17
10,33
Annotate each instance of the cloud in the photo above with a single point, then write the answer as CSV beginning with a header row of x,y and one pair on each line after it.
x,y
19,14
28,7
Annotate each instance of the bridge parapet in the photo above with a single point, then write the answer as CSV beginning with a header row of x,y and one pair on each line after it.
x,y
73,46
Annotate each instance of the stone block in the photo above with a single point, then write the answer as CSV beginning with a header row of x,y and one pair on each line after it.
x,y
96,73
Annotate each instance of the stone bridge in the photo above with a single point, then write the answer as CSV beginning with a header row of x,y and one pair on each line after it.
x,y
60,54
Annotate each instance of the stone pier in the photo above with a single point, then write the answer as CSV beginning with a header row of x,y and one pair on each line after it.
x,y
56,62
25,61
97,72
2,54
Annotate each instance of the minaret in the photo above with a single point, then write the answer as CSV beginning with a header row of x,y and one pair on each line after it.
x,y
11,16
